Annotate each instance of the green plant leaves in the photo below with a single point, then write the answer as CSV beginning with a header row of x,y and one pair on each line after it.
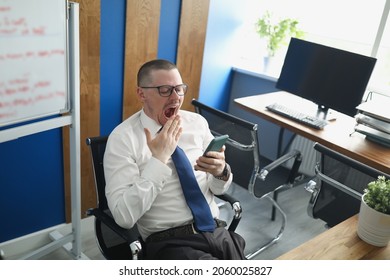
x,y
277,33
378,195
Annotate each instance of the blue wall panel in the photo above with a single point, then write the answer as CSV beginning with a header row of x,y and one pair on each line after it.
x,y
169,29
31,184
112,51
218,53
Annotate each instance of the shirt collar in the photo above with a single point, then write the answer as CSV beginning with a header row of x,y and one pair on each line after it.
x,y
149,123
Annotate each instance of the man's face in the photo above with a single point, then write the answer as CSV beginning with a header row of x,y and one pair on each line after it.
x,y
157,107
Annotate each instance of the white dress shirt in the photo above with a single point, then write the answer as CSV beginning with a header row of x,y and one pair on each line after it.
x,y
141,189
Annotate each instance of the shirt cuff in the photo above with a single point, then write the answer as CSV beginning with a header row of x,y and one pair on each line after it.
x,y
220,186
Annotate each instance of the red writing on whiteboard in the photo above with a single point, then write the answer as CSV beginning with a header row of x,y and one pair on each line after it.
x,y
12,25
18,93
31,54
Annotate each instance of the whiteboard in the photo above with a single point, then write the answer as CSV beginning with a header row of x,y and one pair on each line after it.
x,y
33,59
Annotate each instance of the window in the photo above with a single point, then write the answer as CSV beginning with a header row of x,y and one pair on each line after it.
x,y
348,24
380,79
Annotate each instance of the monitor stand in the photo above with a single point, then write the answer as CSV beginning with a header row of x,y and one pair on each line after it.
x,y
323,112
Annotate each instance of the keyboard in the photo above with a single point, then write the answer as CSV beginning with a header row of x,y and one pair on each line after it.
x,y
314,122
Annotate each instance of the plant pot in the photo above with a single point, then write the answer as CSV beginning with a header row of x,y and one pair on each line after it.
x,y
373,226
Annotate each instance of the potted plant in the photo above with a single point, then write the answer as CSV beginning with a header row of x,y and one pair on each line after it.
x,y
276,33
374,215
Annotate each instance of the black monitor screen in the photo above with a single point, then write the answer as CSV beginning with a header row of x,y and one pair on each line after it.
x,y
330,77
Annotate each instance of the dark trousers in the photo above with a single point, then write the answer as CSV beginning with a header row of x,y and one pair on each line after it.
x,y
219,245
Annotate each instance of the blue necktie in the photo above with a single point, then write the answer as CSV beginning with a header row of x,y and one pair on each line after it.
x,y
195,199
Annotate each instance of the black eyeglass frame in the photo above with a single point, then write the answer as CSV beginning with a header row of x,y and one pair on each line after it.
x,y
169,93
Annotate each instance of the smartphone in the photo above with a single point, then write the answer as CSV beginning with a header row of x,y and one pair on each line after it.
x,y
216,144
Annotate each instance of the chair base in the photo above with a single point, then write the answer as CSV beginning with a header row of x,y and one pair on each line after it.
x,y
277,237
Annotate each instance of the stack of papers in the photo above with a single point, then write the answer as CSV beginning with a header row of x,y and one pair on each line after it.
x,y
376,109
373,120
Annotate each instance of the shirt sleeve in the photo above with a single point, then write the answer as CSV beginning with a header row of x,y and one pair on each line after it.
x,y
219,186
130,189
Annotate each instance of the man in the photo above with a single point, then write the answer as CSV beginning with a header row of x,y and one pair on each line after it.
x,y
143,185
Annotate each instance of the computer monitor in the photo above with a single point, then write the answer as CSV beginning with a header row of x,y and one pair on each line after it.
x,y
329,77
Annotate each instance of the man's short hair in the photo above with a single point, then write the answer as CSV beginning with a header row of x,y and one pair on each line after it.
x,y
144,77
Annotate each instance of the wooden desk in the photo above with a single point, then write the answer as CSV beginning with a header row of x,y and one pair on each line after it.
x,y
341,242
336,135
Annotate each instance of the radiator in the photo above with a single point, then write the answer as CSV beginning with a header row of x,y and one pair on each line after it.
x,y
308,155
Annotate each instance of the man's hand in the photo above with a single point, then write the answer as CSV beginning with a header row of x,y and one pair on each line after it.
x,y
164,144
214,163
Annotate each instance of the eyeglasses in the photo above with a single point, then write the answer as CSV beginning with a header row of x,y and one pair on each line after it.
x,y
166,91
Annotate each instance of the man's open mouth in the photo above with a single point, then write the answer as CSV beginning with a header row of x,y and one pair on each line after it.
x,y
170,112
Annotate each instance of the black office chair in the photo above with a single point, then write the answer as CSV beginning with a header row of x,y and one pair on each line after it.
x,y
115,242
242,153
338,186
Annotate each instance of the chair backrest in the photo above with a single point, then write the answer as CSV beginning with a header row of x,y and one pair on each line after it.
x,y
340,184
242,141
114,241
98,147
242,150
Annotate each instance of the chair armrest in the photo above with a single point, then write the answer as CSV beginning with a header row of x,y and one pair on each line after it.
x,y
236,206
311,187
110,222
294,154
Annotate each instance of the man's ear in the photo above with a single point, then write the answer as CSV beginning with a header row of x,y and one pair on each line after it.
x,y
140,93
